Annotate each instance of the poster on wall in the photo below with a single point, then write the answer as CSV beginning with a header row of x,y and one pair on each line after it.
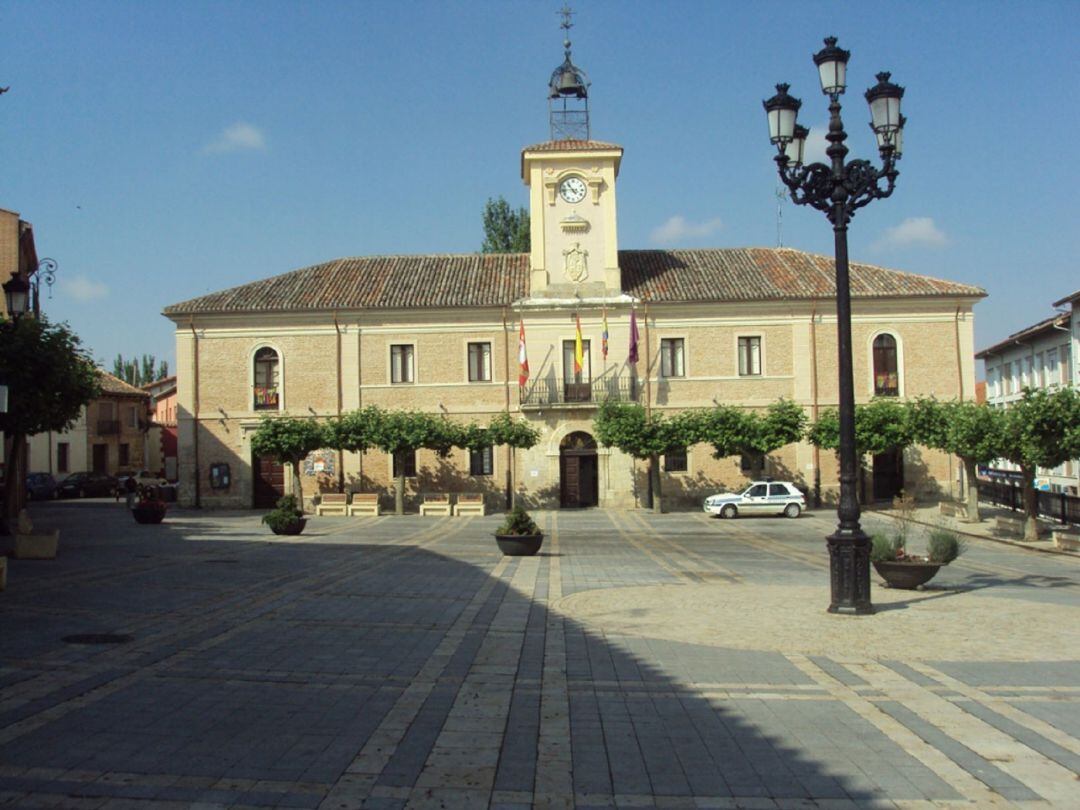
x,y
319,462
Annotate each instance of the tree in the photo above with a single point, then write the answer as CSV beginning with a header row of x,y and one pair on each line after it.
x,y
505,230
880,426
288,440
733,431
501,431
400,433
643,436
967,430
50,378
139,371
1040,430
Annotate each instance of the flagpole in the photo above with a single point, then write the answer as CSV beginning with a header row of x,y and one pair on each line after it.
x,y
506,389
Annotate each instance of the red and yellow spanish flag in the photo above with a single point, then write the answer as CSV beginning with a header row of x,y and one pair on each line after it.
x,y
523,359
579,353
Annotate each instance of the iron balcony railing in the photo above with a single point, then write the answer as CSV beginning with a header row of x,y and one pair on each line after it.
x,y
547,393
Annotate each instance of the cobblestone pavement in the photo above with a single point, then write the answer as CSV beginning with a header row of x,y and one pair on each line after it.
x,y
640,661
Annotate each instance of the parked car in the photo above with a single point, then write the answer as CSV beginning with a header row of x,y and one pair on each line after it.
x,y
87,485
40,486
143,478
760,498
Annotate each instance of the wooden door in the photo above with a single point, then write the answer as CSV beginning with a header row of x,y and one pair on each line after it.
x,y
571,481
269,481
100,459
888,475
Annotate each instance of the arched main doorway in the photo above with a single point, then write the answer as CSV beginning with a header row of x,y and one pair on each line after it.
x,y
578,480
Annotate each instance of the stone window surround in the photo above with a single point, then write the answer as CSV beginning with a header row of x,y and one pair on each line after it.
x,y
895,335
685,357
761,355
490,362
264,344
413,364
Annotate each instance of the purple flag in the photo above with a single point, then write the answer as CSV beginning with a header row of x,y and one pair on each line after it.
x,y
633,358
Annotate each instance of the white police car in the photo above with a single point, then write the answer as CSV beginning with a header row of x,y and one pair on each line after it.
x,y
760,498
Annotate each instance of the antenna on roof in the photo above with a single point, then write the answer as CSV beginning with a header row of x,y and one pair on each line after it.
x,y
781,195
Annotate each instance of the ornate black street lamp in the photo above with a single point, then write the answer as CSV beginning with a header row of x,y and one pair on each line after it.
x,y
838,190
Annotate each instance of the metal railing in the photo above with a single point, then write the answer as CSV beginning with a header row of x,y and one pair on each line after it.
x,y
541,393
1055,505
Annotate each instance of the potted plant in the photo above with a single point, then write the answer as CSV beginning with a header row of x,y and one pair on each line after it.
x,y
519,536
286,518
907,571
150,508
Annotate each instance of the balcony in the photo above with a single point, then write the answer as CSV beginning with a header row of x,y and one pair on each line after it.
x,y
266,398
108,427
559,394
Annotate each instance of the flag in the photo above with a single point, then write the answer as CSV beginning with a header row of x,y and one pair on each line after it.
x,y
604,338
523,360
579,353
633,358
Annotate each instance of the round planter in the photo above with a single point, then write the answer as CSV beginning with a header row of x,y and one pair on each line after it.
x,y
148,512
295,527
906,576
519,545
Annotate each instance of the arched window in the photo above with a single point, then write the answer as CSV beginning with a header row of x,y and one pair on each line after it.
x,y
886,373
266,380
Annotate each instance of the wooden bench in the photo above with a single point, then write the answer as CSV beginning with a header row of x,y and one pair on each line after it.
x,y
952,509
333,503
437,503
470,503
364,503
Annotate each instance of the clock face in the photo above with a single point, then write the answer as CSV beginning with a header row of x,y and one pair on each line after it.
x,y
573,189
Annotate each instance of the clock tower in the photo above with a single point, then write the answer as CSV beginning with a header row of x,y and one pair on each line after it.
x,y
571,178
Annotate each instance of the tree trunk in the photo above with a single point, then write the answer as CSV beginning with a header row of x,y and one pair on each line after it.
x,y
399,485
14,481
1031,505
972,490
298,485
654,484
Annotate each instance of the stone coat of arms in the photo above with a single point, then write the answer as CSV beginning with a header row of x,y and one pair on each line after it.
x,y
575,263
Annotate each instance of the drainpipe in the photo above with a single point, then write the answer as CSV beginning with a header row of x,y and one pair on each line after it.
x,y
195,413
340,452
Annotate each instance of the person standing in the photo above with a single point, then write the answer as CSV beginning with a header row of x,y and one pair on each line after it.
x,y
130,488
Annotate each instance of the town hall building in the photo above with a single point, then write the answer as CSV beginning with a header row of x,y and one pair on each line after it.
x,y
440,333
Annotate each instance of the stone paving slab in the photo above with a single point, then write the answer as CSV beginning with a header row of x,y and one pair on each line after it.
x,y
639,661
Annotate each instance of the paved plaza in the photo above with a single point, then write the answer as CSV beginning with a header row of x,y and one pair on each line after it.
x,y
639,661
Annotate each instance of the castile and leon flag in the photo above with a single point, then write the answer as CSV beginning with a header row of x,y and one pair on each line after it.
x,y
523,359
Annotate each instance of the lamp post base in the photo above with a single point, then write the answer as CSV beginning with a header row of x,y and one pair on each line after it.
x,y
849,573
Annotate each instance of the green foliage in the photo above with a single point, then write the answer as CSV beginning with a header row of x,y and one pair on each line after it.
x,y
784,423
286,439
284,514
50,376
728,429
1042,429
354,431
406,431
885,549
627,427
518,522
139,370
944,546
512,432
505,230
971,431
880,426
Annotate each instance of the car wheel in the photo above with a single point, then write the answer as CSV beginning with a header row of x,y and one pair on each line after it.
x,y
792,510
729,511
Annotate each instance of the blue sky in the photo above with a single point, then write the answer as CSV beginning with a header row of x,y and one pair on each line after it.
x,y
165,150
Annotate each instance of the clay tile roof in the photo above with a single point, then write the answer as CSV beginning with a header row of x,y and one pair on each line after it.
x,y
479,280
117,387
1043,327
572,146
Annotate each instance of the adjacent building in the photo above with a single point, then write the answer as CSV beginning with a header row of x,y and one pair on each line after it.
x,y
1044,355
671,329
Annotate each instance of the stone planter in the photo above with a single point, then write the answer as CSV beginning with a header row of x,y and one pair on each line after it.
x,y
36,546
1067,540
295,527
149,512
519,545
906,576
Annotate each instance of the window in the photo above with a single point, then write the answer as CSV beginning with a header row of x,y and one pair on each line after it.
x,y
480,462
749,356
401,364
886,378
1028,372
569,375
62,457
991,382
758,491
125,454
410,464
132,417
1040,361
1006,377
778,489
1052,367
675,460
266,379
751,462
671,357
1065,365
479,362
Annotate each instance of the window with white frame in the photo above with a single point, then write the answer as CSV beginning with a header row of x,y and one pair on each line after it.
x,y
479,362
671,357
1040,361
401,363
1051,367
481,462
750,356
1006,378
1066,360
